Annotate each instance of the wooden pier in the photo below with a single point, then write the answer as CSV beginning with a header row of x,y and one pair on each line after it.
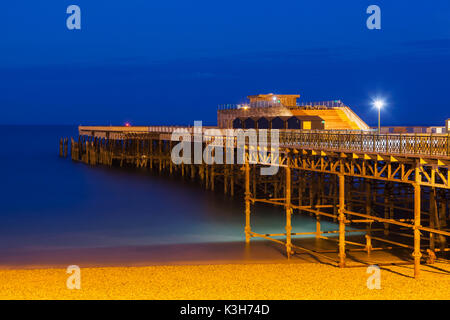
x,y
393,187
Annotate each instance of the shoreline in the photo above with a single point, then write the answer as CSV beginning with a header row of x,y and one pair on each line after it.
x,y
237,252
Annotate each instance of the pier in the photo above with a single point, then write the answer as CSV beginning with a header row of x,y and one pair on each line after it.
x,y
394,188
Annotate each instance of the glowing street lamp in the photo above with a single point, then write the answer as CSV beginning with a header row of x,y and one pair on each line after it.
x,y
379,104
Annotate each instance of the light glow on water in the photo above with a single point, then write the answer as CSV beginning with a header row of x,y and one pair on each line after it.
x,y
56,203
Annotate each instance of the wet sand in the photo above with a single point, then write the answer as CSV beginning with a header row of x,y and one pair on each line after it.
x,y
259,251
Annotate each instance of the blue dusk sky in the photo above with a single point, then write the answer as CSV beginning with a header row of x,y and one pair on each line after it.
x,y
172,62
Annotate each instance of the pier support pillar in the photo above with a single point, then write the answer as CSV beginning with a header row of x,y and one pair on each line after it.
x,y
341,220
66,146
201,172
312,193
288,207
368,247
212,177
160,155
432,215
247,202
318,231
334,194
61,147
232,181
254,181
318,201
417,207
207,178
170,161
442,219
300,189
225,179
192,172
387,199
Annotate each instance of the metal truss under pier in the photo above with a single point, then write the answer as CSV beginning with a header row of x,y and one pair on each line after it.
x,y
393,188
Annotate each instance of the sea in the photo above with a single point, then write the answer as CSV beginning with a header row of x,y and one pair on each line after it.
x,y
53,209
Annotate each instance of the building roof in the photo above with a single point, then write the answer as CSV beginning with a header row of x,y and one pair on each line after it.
x,y
271,95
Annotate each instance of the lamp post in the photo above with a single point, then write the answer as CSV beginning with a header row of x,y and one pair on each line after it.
x,y
379,104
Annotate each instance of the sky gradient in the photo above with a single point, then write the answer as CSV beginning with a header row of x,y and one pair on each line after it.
x,y
173,62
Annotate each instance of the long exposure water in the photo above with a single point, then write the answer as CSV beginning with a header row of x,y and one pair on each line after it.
x,y
51,203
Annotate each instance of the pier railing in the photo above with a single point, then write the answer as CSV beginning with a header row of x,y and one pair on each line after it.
x,y
267,104
401,144
327,140
425,145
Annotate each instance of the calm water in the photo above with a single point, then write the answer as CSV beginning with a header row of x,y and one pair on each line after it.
x,y
51,203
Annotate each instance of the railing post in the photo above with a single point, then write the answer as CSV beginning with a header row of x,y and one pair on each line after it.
x,y
361,142
387,143
415,143
374,143
431,143
401,143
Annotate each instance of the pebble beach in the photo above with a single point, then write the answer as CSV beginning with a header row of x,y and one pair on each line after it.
x,y
228,281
